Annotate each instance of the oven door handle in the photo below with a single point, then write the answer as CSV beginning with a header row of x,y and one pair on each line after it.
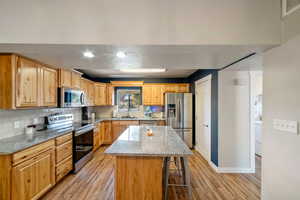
x,y
80,132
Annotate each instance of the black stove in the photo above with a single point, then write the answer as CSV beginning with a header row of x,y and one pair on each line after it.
x,y
83,137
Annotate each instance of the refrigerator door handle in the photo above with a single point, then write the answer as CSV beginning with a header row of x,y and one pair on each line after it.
x,y
179,111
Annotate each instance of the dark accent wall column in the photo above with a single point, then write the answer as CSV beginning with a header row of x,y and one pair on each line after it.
x,y
214,109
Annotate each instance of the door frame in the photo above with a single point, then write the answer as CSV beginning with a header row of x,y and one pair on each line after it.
x,y
252,75
207,78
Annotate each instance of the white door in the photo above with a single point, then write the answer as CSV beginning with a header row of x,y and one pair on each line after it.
x,y
203,119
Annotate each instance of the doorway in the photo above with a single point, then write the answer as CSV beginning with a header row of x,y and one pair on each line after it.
x,y
203,117
256,110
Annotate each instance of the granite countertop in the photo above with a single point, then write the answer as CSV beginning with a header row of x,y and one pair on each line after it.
x,y
135,142
20,142
97,120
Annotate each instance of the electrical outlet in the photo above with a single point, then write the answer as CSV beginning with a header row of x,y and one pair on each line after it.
x,y
17,124
286,125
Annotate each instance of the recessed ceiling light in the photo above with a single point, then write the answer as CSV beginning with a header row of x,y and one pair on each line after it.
x,y
143,70
121,54
88,54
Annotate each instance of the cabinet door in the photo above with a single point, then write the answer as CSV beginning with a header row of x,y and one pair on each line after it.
x,y
183,88
76,79
102,132
91,93
115,126
49,91
108,134
157,94
65,78
103,95
84,85
27,83
170,88
100,94
161,123
34,177
147,95
110,92
97,96
96,138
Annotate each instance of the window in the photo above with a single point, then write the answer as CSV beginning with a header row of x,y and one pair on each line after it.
x,y
128,98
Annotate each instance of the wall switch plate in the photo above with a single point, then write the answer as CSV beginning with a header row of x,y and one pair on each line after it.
x,y
17,124
286,125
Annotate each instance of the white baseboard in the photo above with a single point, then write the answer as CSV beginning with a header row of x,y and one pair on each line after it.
x,y
235,170
213,166
228,169
231,169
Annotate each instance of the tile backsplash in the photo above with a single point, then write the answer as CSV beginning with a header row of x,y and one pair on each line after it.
x,y
26,117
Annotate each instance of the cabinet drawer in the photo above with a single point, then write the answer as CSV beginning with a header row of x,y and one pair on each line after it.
x,y
128,123
62,139
31,152
63,151
63,168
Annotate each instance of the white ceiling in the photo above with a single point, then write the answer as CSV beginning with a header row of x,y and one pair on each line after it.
x,y
180,61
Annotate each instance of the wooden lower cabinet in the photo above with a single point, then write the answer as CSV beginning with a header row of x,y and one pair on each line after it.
x,y
138,178
161,123
107,133
32,178
118,127
64,156
97,136
63,168
63,151
29,174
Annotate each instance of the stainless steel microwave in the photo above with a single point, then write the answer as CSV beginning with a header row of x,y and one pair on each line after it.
x,y
72,98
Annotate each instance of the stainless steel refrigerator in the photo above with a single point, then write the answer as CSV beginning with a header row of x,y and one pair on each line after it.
x,y
179,115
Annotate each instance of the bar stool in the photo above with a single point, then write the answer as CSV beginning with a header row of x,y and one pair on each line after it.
x,y
184,168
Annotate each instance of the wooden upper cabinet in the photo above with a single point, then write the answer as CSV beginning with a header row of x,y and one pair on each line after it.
x,y
84,85
49,89
153,94
157,94
27,83
110,93
76,79
91,93
180,87
183,88
100,94
69,79
147,95
65,78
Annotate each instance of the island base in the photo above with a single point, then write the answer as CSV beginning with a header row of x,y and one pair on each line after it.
x,y
138,178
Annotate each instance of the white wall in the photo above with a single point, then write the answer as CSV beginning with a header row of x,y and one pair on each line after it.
x,y
281,160
290,26
140,22
26,117
234,119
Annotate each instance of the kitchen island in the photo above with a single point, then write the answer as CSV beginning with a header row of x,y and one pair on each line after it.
x,y
140,158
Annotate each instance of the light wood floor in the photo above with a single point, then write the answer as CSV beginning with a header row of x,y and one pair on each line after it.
x,y
96,182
